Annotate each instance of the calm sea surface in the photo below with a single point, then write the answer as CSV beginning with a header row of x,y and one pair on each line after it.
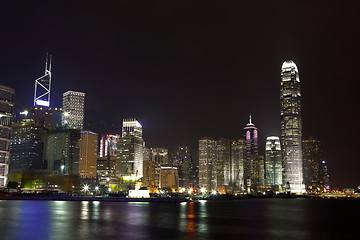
x,y
240,219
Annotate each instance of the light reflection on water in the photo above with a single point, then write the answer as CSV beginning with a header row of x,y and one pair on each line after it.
x,y
253,218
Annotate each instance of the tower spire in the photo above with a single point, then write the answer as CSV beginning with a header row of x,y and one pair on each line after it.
x,y
43,84
250,119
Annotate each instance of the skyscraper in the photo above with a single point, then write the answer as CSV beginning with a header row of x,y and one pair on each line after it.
x,y
27,145
238,156
88,154
312,165
61,151
160,156
73,110
273,163
223,162
129,156
207,163
108,145
6,118
182,159
291,130
251,166
43,85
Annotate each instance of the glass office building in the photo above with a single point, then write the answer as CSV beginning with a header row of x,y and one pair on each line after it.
x,y
291,130
6,118
73,110
273,162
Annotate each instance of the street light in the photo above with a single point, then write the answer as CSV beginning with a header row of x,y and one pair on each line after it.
x,y
86,187
203,190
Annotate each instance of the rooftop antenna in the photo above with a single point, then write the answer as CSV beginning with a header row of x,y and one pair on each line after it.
x,y
43,84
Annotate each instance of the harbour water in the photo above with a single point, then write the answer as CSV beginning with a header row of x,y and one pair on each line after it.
x,y
237,219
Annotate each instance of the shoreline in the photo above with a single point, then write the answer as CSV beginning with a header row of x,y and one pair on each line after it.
x,y
159,200
93,199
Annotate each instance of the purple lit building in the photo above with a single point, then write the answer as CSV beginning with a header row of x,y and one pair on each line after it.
x,y
251,166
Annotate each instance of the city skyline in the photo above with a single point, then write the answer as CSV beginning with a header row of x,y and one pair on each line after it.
x,y
195,76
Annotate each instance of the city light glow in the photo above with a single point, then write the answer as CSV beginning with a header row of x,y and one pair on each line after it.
x,y
86,187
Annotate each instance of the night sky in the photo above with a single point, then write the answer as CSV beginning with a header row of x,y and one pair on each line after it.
x,y
187,70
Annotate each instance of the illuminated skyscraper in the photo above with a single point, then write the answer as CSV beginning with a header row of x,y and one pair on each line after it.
x,y
27,145
223,162
291,130
129,156
238,157
43,86
169,177
61,151
312,165
160,157
6,118
88,154
273,163
108,145
73,110
251,166
106,161
182,159
207,163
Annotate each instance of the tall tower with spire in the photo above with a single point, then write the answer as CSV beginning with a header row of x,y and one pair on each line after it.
x,y
43,85
291,130
251,166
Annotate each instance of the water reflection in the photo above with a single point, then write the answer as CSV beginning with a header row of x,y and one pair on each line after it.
x,y
31,220
191,222
84,210
203,215
137,216
252,218
193,219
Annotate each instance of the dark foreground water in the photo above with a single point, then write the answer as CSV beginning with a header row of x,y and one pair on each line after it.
x,y
241,219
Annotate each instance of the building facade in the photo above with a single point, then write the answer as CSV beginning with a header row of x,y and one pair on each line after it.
x,y
223,163
108,145
238,157
312,165
291,129
73,110
169,178
251,165
62,151
6,118
88,154
149,176
207,163
160,156
129,156
27,147
182,159
106,171
273,162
